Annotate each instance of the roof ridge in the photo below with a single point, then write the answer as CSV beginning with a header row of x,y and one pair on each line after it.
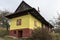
x,y
22,4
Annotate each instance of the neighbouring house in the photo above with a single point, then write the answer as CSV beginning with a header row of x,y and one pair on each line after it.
x,y
24,20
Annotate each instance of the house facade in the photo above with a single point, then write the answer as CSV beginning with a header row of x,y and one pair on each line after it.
x,y
24,20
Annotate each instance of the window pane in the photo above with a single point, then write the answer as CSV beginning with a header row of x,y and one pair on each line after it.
x,y
18,21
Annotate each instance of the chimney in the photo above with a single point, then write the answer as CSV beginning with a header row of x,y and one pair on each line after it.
x,y
38,10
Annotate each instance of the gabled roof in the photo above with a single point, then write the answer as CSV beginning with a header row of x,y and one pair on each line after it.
x,y
24,11
23,6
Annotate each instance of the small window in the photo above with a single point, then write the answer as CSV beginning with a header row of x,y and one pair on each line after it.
x,y
14,32
18,21
35,23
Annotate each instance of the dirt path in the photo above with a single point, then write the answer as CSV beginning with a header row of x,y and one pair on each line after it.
x,y
1,39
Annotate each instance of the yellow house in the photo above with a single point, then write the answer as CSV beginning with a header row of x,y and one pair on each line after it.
x,y
24,20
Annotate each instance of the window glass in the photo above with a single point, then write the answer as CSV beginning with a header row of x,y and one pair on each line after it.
x,y
18,21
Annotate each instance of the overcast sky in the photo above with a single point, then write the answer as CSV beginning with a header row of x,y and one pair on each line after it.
x,y
48,8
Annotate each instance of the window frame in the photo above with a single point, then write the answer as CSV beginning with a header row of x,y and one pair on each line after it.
x,y
18,22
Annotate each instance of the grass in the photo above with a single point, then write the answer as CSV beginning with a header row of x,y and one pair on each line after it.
x,y
3,32
8,38
1,28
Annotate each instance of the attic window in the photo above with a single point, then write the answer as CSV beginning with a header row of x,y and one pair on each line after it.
x,y
18,21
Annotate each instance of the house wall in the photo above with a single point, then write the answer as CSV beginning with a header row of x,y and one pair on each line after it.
x,y
24,22
32,21
27,25
25,33
27,21
47,28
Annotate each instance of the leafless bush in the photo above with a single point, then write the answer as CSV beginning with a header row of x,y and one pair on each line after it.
x,y
41,34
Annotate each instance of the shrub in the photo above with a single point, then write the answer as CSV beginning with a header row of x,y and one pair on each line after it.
x,y
55,36
41,34
3,33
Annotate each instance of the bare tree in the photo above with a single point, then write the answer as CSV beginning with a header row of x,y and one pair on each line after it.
x,y
3,20
57,24
41,34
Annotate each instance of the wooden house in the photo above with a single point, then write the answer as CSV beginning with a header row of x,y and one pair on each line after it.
x,y
24,20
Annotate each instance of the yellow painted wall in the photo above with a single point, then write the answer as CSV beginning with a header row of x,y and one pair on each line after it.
x,y
24,22
32,19
27,21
